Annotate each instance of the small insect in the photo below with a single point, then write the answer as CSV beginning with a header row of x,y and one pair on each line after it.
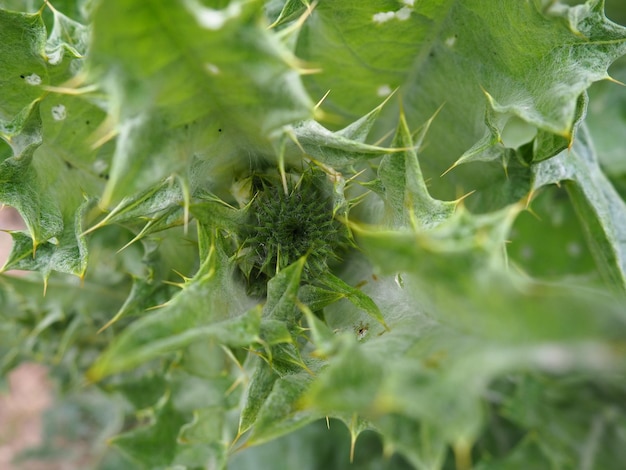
x,y
361,331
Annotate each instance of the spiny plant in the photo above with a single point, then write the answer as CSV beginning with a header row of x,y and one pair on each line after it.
x,y
225,271
287,222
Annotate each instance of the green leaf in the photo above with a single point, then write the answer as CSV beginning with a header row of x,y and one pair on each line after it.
x,y
206,426
67,254
420,442
49,175
261,384
282,292
405,191
508,136
147,341
548,240
463,241
316,298
467,331
600,208
355,296
155,445
533,59
349,385
280,345
290,11
281,412
203,439
214,212
144,294
23,184
67,35
341,148
321,335
22,61
193,314
605,119
322,444
157,205
222,84
588,433
144,391
52,328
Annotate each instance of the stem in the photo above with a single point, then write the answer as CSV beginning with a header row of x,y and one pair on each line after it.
x,y
463,455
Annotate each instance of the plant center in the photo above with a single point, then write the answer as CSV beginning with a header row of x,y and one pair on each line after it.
x,y
284,226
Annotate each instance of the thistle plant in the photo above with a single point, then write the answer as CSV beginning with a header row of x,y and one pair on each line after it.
x,y
288,222
252,225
